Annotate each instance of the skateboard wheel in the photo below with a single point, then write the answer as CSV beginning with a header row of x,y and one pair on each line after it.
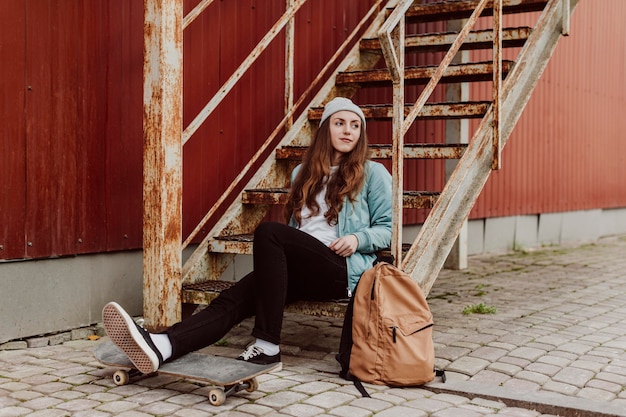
x,y
253,384
120,377
217,396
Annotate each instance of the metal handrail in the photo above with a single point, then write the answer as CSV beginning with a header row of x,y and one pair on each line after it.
x,y
241,70
402,123
284,123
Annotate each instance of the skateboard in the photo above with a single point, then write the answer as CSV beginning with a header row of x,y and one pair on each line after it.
x,y
227,374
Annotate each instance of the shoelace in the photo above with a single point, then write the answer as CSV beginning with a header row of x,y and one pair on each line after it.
x,y
251,352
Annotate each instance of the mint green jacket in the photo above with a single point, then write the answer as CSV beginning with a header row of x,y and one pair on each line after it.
x,y
368,218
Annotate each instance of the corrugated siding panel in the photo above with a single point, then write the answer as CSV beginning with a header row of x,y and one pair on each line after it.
x,y
12,138
75,142
567,152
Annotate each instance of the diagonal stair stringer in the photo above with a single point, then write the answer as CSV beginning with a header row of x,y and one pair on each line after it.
x,y
430,249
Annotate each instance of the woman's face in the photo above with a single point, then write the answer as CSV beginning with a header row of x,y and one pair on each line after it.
x,y
345,132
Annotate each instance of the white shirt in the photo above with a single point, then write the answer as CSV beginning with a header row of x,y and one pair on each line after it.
x,y
317,226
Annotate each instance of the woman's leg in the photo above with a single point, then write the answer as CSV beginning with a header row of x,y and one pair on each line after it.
x,y
291,265
211,324
288,265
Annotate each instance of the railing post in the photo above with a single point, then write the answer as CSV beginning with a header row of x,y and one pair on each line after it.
x,y
497,83
289,66
393,49
162,162
566,16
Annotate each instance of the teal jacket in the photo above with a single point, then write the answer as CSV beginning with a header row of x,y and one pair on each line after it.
x,y
368,218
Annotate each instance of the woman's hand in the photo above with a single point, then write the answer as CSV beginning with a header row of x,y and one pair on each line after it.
x,y
345,245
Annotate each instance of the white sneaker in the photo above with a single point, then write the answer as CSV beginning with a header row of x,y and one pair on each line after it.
x,y
132,339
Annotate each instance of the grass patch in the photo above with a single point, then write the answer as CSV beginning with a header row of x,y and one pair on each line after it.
x,y
480,308
222,342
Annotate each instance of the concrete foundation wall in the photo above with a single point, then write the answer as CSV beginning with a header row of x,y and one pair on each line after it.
x,y
45,296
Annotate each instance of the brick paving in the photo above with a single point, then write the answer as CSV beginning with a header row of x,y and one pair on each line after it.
x,y
555,345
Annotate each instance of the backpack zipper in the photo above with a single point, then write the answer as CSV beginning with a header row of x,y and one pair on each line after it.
x,y
394,330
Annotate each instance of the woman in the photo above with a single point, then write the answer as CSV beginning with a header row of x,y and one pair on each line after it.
x,y
339,214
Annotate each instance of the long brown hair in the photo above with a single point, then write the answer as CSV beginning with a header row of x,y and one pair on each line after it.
x,y
315,170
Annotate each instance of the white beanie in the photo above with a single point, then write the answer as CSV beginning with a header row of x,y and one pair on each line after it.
x,y
339,104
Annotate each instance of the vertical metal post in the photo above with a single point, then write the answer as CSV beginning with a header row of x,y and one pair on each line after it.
x,y
289,59
398,143
457,131
566,16
162,162
497,83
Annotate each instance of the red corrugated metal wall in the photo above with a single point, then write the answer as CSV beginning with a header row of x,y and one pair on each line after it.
x,y
71,109
71,127
568,151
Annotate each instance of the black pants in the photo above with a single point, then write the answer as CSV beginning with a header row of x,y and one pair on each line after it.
x,y
289,265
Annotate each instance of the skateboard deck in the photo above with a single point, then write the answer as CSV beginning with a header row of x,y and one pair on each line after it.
x,y
230,375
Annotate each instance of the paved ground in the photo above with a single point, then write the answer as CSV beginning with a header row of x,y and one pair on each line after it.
x,y
555,345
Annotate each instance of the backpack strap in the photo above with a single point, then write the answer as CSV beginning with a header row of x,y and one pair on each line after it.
x,y
359,386
441,373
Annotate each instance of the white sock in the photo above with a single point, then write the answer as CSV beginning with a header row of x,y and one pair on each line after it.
x,y
162,342
269,349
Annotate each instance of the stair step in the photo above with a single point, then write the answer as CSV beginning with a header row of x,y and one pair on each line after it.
x,y
273,196
242,244
480,71
383,151
206,292
462,9
460,110
433,42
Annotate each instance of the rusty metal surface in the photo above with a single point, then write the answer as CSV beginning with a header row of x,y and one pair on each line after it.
x,y
480,71
265,196
479,39
383,151
464,8
429,110
497,84
163,112
391,36
421,151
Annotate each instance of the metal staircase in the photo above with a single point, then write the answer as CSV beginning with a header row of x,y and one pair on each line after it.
x,y
513,83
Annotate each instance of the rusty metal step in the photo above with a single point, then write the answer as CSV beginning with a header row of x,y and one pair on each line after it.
x,y
434,42
273,196
242,244
450,110
458,73
461,9
205,292
383,151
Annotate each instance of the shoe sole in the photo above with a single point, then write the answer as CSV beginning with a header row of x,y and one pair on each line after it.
x,y
122,330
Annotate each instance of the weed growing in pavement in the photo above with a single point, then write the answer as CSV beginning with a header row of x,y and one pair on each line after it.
x,y
480,308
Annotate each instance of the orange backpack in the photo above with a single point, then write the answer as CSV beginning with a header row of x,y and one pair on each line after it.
x,y
392,340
